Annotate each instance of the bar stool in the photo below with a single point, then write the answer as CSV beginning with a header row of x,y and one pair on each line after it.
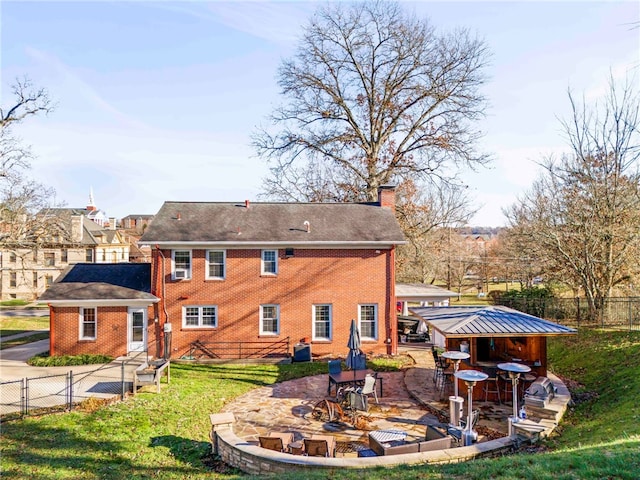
x,y
491,385
437,370
507,386
446,383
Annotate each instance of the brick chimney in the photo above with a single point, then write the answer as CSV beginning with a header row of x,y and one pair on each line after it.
x,y
77,228
387,197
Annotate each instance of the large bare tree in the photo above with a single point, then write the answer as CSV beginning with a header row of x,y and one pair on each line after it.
x,y
373,95
583,213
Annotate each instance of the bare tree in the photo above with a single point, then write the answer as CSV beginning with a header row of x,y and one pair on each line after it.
x,y
427,215
373,96
22,198
584,211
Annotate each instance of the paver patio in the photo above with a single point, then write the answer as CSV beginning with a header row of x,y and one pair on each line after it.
x,y
410,402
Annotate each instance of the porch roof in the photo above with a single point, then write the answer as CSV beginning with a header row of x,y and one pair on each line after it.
x,y
110,282
485,321
419,292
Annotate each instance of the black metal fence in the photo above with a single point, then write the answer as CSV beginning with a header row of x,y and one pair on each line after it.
x,y
621,313
61,392
240,350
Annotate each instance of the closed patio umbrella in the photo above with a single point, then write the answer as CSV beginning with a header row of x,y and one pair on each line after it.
x,y
354,348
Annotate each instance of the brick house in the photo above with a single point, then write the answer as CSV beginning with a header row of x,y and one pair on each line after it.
x,y
244,272
231,272
101,309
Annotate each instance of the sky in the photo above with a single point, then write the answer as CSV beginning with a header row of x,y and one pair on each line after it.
x,y
157,101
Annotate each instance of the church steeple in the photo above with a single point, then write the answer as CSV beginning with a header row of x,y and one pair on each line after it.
x,y
92,205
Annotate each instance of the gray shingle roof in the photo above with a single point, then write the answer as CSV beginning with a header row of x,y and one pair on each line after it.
x,y
488,321
422,291
233,223
102,281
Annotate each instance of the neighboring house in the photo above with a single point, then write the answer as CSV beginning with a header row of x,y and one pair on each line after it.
x,y
101,309
137,223
27,268
243,272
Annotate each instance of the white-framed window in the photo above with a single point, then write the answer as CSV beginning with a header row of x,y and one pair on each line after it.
x,y
181,262
88,323
322,322
269,319
200,316
88,255
368,319
64,255
49,259
269,262
216,264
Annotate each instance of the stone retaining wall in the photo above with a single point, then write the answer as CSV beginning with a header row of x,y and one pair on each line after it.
x,y
255,460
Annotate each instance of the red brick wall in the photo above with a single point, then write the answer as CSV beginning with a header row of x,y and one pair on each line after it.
x,y
343,278
111,334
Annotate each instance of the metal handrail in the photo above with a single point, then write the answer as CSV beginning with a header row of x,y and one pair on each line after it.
x,y
241,350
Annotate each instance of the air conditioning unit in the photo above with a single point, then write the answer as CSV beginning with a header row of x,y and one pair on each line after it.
x,y
180,274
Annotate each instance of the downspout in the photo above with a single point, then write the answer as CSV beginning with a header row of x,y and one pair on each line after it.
x,y
51,332
393,317
160,328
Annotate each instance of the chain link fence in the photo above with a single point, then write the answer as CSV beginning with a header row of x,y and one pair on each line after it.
x,y
60,392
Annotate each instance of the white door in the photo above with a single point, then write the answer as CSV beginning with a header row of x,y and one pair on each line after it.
x,y
137,329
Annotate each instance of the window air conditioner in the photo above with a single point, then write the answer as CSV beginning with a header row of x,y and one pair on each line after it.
x,y
180,274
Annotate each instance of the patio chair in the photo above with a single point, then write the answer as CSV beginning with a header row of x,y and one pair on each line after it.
x,y
276,441
335,366
360,362
320,446
369,386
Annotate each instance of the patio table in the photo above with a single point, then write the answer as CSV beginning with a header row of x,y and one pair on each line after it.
x,y
384,436
348,376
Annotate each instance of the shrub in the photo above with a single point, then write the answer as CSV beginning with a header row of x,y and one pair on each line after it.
x,y
44,360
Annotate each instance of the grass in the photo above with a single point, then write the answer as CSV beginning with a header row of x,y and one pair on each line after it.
x,y
15,325
165,436
14,303
23,340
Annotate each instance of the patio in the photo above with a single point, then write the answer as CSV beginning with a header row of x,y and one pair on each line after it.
x,y
410,403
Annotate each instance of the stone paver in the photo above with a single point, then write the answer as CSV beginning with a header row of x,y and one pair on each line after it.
x,y
409,403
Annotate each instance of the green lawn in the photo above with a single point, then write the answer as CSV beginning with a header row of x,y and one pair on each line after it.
x,y
15,325
166,436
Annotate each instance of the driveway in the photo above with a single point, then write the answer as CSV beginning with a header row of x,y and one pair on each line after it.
x,y
25,312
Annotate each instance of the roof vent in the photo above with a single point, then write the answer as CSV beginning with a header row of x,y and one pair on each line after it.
x,y
178,216
246,203
307,225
